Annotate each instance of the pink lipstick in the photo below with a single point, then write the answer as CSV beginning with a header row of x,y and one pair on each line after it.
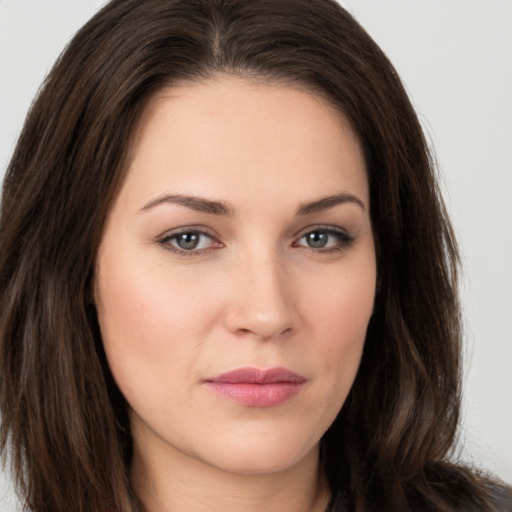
x,y
257,388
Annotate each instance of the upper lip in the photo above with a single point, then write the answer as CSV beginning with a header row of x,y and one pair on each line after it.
x,y
258,376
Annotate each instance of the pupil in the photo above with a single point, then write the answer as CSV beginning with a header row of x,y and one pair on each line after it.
x,y
317,240
188,240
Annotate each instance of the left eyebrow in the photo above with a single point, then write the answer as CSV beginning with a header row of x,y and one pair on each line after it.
x,y
329,202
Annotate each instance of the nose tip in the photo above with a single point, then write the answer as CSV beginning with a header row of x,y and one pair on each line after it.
x,y
263,325
262,306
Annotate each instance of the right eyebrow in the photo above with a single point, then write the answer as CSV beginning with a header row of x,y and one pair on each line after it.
x,y
198,204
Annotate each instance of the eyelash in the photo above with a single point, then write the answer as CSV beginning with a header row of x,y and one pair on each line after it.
x,y
166,240
344,241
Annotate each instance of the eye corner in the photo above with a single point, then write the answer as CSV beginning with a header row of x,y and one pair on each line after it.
x,y
324,239
194,241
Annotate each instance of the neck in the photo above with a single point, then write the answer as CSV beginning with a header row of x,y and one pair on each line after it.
x,y
181,483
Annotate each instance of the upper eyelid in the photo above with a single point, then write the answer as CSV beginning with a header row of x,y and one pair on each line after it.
x,y
321,227
211,233
345,238
166,239
203,230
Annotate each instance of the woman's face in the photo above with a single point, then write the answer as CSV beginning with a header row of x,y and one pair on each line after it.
x,y
236,275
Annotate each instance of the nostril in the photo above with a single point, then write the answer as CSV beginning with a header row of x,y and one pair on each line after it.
x,y
262,311
264,334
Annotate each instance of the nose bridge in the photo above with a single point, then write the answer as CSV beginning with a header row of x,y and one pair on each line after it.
x,y
262,302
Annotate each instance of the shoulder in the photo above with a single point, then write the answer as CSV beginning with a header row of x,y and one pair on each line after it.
x,y
458,490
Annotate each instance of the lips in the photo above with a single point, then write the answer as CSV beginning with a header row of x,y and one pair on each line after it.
x,y
255,387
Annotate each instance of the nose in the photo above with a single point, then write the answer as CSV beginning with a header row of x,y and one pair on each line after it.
x,y
262,304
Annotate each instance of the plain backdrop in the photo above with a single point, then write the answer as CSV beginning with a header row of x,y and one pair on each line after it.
x,y
455,57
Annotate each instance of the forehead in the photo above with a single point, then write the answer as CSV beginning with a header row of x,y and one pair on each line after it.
x,y
229,130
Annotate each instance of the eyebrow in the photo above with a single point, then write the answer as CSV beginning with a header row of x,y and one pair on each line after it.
x,y
329,202
200,204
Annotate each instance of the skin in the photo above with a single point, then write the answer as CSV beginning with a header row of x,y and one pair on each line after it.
x,y
254,292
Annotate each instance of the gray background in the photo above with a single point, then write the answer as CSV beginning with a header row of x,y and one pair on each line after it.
x,y
455,57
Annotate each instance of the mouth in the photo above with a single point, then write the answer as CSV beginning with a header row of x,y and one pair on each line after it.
x,y
254,387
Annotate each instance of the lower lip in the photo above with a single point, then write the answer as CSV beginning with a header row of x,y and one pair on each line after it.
x,y
257,395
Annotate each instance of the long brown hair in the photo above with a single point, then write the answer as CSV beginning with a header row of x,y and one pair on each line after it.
x,y
63,417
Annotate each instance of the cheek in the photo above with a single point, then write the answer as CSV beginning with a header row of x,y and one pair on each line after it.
x,y
146,301
339,314
151,325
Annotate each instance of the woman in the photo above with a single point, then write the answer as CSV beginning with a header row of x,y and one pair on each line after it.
x,y
228,279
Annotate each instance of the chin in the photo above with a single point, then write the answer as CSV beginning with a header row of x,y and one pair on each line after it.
x,y
262,453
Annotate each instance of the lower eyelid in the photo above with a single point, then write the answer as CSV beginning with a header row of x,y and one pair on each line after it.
x,y
344,238
169,242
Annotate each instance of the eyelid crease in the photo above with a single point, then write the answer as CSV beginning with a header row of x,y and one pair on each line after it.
x,y
322,227
186,229
345,238
165,241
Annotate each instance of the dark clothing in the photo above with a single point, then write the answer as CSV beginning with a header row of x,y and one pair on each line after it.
x,y
500,497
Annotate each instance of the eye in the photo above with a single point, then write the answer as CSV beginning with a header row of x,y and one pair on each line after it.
x,y
191,241
325,239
